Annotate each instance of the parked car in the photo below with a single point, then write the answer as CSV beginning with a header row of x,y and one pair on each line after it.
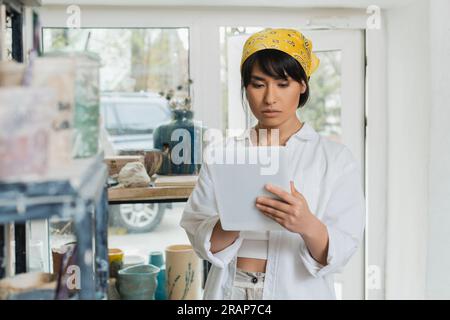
x,y
129,120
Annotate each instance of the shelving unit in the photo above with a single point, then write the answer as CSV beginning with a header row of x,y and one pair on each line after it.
x,y
15,10
78,193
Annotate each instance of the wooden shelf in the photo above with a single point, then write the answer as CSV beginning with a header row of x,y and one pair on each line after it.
x,y
150,194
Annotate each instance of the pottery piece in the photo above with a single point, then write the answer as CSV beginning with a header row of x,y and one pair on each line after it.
x,y
156,258
183,273
115,261
138,282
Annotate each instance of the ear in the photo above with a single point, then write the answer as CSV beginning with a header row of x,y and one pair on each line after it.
x,y
303,87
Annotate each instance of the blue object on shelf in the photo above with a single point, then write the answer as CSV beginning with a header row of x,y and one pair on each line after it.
x,y
156,258
162,140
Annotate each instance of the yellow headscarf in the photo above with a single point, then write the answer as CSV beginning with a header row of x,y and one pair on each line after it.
x,y
289,41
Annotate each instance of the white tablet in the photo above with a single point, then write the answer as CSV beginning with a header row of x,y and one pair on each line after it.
x,y
239,175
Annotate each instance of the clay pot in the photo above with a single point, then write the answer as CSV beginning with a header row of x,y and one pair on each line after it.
x,y
138,282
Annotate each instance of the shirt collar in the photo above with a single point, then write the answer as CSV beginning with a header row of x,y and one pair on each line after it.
x,y
306,133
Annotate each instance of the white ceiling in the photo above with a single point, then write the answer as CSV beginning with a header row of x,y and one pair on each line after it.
x,y
240,3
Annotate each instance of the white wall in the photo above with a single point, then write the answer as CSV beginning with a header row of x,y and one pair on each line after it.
x,y
408,138
438,277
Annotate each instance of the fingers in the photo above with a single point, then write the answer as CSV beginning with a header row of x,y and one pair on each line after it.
x,y
285,196
274,203
271,212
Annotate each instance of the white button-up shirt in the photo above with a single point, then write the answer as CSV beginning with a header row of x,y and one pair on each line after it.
x,y
329,177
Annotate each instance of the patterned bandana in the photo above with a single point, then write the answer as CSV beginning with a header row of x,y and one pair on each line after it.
x,y
289,41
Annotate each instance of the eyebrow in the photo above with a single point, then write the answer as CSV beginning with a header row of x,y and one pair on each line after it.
x,y
253,77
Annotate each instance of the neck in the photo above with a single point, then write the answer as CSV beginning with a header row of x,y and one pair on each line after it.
x,y
286,130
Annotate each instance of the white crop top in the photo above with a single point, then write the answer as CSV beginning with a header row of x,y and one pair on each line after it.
x,y
255,244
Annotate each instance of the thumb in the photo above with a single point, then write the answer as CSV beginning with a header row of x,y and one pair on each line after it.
x,y
294,190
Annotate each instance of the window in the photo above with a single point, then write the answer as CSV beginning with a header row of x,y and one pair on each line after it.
x,y
137,64
323,110
133,60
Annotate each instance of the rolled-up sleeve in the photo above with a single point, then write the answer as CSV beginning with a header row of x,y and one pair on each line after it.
x,y
344,219
199,217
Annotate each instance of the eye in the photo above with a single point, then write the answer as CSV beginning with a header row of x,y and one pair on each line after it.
x,y
257,85
283,84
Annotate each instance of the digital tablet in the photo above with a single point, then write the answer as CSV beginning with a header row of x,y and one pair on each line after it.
x,y
239,175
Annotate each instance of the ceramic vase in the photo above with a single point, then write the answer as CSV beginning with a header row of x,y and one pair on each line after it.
x,y
156,258
191,136
115,261
183,273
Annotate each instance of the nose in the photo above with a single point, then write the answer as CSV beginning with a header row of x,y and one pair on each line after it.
x,y
269,97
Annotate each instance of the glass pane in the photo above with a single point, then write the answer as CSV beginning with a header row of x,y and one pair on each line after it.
x,y
137,64
323,110
129,222
133,60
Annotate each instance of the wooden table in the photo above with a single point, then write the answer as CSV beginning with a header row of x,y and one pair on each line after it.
x,y
149,194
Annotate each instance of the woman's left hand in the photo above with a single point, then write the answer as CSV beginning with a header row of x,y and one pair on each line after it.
x,y
292,212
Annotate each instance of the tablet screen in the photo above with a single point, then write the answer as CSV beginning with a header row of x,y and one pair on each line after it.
x,y
239,175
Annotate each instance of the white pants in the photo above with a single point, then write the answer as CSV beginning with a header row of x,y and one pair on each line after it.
x,y
248,285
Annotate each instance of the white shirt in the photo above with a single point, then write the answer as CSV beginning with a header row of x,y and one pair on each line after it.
x,y
328,176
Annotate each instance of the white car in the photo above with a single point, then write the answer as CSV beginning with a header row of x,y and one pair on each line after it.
x,y
129,120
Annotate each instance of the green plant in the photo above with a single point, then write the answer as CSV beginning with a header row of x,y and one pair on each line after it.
x,y
178,98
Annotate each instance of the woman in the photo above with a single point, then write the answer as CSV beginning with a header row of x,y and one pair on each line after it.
x,y
323,213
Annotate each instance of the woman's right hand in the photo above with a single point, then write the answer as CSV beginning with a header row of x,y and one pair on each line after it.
x,y
221,239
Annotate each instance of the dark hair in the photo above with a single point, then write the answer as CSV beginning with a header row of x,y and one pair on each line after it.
x,y
276,64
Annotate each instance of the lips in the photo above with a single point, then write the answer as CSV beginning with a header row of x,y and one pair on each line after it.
x,y
270,113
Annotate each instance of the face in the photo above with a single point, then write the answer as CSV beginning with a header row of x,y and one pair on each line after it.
x,y
273,101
